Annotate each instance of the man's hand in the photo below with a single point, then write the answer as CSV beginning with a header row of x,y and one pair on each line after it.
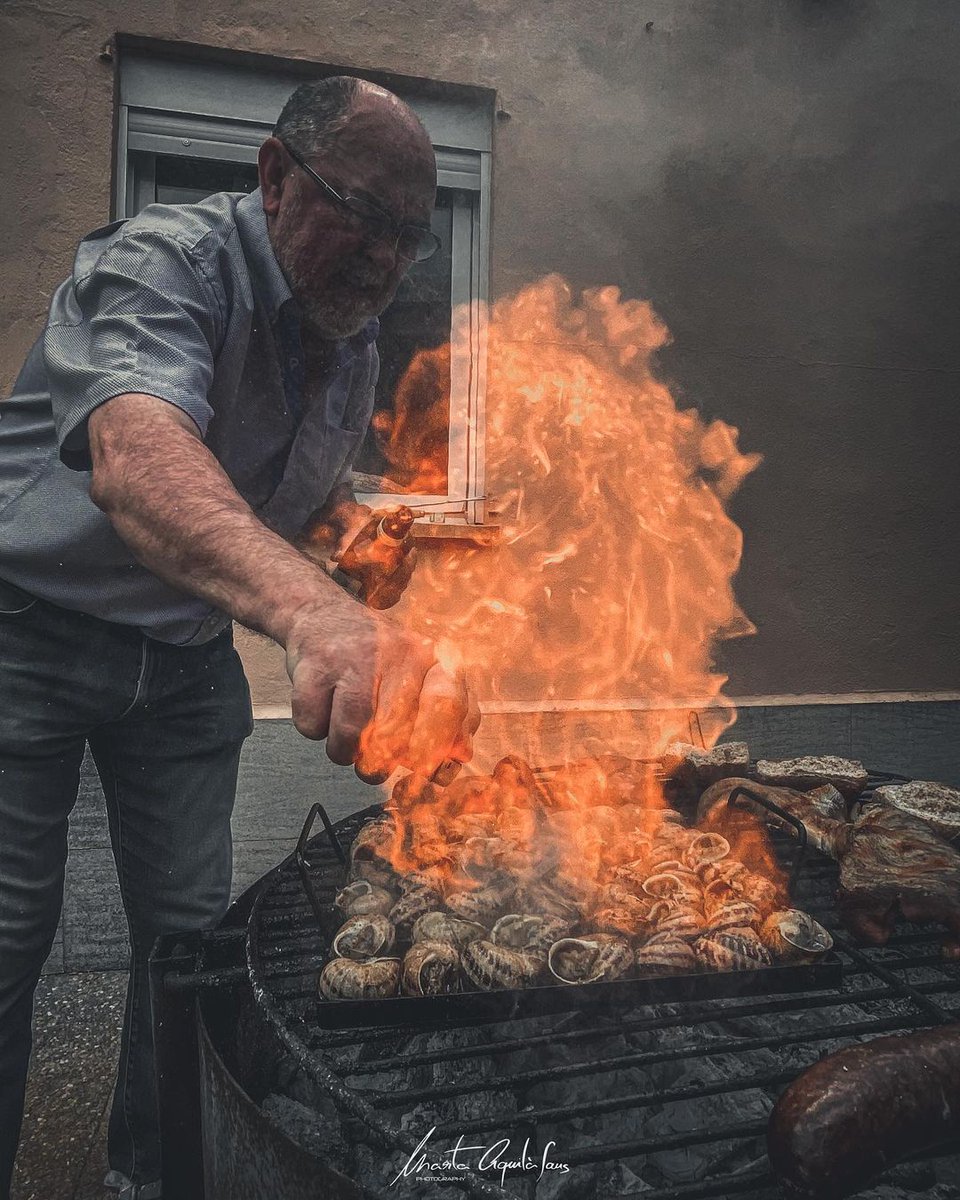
x,y
378,695
343,534
373,690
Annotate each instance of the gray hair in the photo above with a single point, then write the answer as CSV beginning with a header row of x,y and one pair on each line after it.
x,y
316,112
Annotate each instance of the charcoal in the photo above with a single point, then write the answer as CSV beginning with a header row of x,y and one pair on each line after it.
x,y
947,1190
590,1088
688,1164
579,1183
481,1105
295,1084
912,1181
847,776
454,1069
619,1179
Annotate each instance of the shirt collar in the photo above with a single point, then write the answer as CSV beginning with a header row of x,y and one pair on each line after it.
x,y
268,280
353,347
367,334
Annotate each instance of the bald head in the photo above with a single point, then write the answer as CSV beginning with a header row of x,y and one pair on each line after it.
x,y
317,115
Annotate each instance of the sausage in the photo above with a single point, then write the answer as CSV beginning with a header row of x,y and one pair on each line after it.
x,y
859,1111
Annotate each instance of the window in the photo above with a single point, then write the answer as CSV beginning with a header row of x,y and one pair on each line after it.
x,y
188,127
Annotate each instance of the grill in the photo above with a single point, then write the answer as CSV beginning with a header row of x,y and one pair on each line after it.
x,y
660,1093
320,869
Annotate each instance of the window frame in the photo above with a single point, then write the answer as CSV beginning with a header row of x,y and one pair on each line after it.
x,y
213,110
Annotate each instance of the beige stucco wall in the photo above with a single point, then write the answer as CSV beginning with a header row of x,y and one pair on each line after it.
x,y
778,178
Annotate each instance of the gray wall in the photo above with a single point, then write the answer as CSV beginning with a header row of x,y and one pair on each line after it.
x,y
781,180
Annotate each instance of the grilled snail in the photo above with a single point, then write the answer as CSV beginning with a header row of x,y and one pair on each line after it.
x,y
430,969
444,927
666,954
588,959
361,897
490,966
740,951
367,936
345,979
794,936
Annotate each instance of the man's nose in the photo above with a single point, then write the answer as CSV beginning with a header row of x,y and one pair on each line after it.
x,y
383,251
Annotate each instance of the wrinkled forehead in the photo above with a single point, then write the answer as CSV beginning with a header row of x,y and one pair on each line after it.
x,y
383,150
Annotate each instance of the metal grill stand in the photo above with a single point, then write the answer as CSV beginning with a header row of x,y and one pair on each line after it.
x,y
671,1100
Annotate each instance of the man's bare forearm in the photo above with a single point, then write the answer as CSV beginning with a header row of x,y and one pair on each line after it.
x,y
371,688
177,510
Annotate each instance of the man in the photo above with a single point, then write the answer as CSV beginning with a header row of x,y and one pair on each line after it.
x,y
200,390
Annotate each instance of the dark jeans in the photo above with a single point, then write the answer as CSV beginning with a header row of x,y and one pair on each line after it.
x,y
165,725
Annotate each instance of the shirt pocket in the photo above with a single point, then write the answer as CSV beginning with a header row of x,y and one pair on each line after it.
x,y
320,458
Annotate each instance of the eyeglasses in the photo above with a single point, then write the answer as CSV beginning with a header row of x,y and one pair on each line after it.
x,y
412,242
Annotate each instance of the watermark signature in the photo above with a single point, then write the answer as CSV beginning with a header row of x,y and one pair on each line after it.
x,y
499,1157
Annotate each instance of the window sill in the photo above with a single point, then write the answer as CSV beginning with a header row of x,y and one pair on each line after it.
x,y
446,531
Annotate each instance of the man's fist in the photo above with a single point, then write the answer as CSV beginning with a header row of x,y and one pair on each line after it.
x,y
372,548
381,557
377,693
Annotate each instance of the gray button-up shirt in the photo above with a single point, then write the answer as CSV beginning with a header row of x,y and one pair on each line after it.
x,y
184,302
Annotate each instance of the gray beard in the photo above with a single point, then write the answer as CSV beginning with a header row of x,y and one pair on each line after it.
x,y
330,321
323,317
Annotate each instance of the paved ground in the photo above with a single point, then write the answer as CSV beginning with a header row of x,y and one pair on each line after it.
x,y
76,1040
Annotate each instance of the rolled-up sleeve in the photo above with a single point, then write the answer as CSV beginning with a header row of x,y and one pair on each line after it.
x,y
146,318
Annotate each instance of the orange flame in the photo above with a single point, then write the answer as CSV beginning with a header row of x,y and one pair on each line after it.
x,y
612,580
614,576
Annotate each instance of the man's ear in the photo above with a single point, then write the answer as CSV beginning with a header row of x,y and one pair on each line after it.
x,y
272,169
